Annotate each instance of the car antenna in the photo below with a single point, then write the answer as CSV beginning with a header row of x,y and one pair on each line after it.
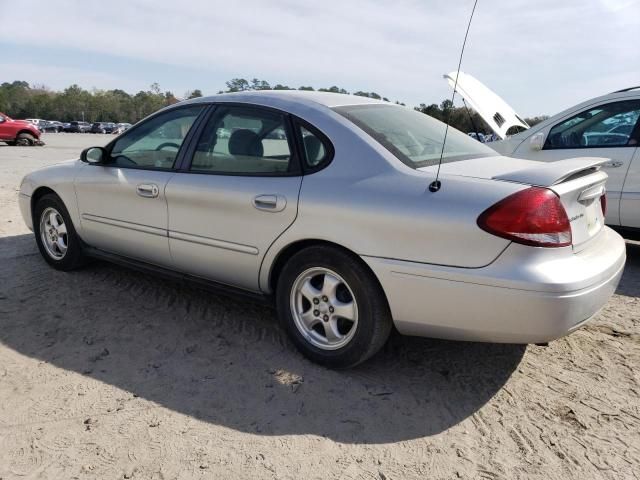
x,y
473,124
436,184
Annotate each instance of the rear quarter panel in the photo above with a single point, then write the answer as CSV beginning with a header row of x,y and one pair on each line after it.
x,y
394,215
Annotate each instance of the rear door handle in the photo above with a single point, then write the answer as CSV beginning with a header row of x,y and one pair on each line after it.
x,y
149,190
270,202
613,164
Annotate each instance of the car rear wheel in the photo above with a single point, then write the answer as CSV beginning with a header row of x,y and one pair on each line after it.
x,y
56,237
332,307
25,140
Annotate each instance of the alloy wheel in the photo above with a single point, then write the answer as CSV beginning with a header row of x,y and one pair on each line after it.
x,y
53,233
324,308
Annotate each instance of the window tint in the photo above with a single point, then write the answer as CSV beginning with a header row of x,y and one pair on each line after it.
x,y
608,125
155,143
315,152
244,141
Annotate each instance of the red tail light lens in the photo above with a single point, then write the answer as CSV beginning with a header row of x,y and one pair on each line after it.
x,y
603,203
533,216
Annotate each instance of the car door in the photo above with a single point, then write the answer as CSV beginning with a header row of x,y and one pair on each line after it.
x,y
5,129
630,200
602,130
237,194
122,202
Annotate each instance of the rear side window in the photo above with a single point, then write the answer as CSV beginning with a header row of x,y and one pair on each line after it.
x,y
316,151
609,125
414,138
243,141
155,143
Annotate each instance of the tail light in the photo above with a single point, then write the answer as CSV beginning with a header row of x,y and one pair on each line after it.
x,y
603,203
533,217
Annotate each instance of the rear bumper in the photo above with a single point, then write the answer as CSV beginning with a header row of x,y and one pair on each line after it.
x,y
528,295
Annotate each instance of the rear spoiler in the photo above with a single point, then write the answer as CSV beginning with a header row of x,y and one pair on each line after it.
x,y
546,174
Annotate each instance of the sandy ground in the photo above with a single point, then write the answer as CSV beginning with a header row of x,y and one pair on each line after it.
x,y
107,373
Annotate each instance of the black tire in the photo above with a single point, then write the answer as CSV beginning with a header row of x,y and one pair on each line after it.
x,y
373,314
74,257
25,139
11,144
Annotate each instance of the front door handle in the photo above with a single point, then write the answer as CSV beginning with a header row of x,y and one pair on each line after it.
x,y
149,190
270,202
613,164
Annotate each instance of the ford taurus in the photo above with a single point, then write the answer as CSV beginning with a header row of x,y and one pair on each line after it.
x,y
322,203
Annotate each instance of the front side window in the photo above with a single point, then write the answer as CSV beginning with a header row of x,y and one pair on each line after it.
x,y
413,137
243,140
609,125
155,143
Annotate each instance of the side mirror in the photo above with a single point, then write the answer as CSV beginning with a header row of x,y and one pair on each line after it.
x,y
537,141
94,155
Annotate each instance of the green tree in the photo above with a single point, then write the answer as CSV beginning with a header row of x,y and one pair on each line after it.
x,y
237,85
194,94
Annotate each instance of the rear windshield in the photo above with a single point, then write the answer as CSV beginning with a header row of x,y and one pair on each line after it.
x,y
413,137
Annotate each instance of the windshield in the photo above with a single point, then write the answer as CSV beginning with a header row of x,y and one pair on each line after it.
x,y
413,137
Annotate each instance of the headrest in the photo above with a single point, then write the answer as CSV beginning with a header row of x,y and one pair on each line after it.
x,y
245,142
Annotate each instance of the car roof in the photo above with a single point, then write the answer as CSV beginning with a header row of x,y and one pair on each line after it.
x,y
327,99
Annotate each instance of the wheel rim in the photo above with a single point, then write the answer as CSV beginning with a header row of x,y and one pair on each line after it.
x,y
324,308
53,233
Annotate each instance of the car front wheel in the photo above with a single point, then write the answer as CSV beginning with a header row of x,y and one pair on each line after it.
x,y
332,307
25,139
56,237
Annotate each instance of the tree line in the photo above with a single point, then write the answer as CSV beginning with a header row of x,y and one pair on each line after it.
x,y
19,99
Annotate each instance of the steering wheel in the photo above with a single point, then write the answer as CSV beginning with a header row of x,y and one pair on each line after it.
x,y
168,144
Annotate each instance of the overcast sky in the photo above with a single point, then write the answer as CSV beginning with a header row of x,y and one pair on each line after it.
x,y
539,56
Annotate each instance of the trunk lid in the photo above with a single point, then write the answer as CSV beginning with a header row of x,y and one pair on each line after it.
x,y
579,182
490,106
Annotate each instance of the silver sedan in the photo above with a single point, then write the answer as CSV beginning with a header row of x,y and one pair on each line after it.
x,y
321,203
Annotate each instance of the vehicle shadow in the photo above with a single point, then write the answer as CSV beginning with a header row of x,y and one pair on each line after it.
x,y
630,282
227,362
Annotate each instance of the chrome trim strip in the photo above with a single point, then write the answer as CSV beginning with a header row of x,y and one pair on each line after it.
x,y
212,242
122,224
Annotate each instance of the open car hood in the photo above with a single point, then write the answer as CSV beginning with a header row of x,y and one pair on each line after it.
x,y
493,109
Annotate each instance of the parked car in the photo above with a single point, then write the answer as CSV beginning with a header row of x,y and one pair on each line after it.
x,y
477,136
606,126
18,132
102,127
120,128
34,121
506,250
51,126
78,127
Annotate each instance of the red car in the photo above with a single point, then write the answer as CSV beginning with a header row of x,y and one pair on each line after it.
x,y
18,132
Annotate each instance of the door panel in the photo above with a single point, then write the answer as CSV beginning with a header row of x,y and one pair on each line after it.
x,y
630,201
4,129
220,228
122,202
124,211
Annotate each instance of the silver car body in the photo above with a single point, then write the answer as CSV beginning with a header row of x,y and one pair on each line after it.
x,y
443,276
